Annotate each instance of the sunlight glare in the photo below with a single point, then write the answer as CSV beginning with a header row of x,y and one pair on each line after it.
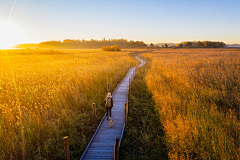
x,y
10,35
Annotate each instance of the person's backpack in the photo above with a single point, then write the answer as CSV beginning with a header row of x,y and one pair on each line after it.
x,y
108,102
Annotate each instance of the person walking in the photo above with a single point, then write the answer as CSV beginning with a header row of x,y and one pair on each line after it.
x,y
109,104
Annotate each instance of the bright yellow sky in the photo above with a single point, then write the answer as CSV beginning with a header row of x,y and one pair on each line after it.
x,y
10,35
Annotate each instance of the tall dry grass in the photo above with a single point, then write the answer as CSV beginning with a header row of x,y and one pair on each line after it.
x,y
197,92
47,94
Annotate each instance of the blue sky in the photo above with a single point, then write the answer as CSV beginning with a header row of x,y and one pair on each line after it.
x,y
156,21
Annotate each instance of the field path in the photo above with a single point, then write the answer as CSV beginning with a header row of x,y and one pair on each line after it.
x,y
101,145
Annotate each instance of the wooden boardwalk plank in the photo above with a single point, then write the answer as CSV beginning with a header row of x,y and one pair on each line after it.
x,y
102,144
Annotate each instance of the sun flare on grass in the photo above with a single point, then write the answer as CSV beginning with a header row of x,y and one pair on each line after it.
x,y
10,35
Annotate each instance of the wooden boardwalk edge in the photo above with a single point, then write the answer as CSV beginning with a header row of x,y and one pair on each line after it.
x,y
100,124
85,151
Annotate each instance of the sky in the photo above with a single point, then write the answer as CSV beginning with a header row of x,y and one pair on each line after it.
x,y
152,21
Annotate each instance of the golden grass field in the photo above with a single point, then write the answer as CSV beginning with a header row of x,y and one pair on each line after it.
x,y
197,92
48,94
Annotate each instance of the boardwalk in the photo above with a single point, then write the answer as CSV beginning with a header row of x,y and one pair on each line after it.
x,y
102,143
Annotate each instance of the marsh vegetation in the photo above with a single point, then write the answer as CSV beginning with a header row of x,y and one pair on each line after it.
x,y
48,94
197,95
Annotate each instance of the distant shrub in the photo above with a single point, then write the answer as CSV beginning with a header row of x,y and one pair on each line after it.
x,y
173,47
111,48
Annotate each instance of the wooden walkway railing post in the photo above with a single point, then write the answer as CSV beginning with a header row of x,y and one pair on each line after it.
x,y
95,115
116,80
125,116
108,88
129,90
66,146
111,85
116,149
131,79
121,74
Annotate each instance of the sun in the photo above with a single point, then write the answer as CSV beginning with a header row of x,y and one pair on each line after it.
x,y
10,35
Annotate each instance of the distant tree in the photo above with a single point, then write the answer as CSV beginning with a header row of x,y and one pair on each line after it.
x,y
189,44
166,45
221,45
200,44
179,45
162,46
151,45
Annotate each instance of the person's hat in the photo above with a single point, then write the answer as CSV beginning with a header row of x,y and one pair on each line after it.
x,y
109,95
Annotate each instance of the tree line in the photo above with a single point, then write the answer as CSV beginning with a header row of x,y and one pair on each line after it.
x,y
201,44
93,43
